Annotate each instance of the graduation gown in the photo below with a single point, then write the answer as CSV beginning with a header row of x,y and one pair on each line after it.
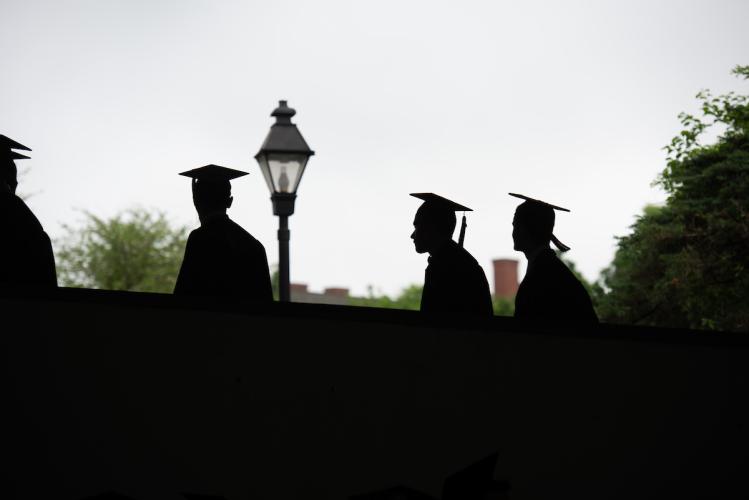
x,y
26,256
222,259
454,282
549,291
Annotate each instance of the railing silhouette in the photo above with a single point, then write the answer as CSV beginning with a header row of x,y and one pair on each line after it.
x,y
151,395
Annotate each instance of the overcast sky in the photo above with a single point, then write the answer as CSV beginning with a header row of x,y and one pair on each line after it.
x,y
566,101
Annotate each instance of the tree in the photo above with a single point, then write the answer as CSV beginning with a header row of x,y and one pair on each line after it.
x,y
503,306
135,250
685,263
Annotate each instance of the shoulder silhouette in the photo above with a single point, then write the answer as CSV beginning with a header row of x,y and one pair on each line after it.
x,y
453,280
26,256
549,290
221,258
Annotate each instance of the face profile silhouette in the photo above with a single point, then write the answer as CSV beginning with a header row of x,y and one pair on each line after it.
x,y
433,227
549,290
453,281
26,256
8,170
435,222
533,225
8,175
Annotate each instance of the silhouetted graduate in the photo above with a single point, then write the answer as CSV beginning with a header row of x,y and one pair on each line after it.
x,y
221,258
26,257
549,290
453,280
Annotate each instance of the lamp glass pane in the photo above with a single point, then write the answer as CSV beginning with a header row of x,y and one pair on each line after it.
x,y
261,159
286,170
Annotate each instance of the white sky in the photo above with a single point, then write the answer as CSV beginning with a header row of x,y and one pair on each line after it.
x,y
565,101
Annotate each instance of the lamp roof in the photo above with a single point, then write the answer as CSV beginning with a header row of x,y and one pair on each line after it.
x,y
283,136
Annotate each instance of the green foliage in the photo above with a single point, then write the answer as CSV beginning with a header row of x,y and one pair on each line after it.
x,y
408,298
503,307
634,288
730,111
685,264
136,250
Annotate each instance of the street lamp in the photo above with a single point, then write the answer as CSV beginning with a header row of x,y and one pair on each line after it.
x,y
282,158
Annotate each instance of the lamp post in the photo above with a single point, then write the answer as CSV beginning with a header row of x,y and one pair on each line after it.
x,y
282,158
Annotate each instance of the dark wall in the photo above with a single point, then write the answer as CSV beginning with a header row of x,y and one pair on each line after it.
x,y
151,395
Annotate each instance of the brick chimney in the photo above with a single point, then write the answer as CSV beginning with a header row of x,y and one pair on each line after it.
x,y
336,292
297,287
505,278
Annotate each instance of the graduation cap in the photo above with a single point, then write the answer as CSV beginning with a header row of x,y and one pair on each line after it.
x,y
444,204
211,182
544,214
12,155
213,173
7,145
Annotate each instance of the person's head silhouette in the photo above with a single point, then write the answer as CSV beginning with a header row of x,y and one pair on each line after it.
x,y
8,171
533,225
211,189
434,222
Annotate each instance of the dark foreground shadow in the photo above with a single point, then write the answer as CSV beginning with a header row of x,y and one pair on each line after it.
x,y
475,482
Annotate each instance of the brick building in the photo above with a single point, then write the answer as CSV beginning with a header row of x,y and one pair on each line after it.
x,y
505,274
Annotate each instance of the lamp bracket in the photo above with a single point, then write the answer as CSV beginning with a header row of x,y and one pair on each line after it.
x,y
283,203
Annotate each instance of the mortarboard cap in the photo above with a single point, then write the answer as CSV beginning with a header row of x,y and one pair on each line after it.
x,y
533,200
7,142
8,154
213,173
437,200
7,145
544,205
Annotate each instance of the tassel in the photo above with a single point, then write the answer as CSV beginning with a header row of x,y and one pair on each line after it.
x,y
463,226
561,246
